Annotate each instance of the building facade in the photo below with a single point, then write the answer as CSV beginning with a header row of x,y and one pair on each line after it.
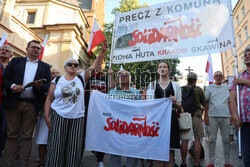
x,y
93,9
63,20
241,17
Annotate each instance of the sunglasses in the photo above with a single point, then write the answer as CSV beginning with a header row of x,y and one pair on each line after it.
x,y
248,54
218,75
122,75
74,64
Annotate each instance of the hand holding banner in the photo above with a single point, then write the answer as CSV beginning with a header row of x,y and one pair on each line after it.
x,y
134,128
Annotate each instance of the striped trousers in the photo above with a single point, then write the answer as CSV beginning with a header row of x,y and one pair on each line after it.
x,y
65,142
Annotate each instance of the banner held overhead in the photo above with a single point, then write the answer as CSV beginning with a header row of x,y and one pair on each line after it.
x,y
172,29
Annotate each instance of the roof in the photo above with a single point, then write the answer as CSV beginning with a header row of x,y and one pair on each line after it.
x,y
72,2
85,4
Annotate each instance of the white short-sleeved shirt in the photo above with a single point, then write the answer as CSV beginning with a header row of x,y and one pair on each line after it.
x,y
69,98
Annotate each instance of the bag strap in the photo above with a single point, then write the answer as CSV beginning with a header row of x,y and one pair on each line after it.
x,y
80,77
57,79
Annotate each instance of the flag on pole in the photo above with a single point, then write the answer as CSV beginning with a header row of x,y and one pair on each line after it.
x,y
209,70
43,47
96,36
4,40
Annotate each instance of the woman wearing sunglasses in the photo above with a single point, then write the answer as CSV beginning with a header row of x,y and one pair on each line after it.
x,y
124,91
64,114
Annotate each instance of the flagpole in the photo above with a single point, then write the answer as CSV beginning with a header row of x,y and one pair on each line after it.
x,y
111,52
237,86
112,48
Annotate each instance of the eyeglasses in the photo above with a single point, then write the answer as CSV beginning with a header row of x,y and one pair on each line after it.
x,y
218,75
34,47
74,64
122,75
247,54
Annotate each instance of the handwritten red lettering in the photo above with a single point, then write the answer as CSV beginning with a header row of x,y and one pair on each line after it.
x,y
134,129
169,33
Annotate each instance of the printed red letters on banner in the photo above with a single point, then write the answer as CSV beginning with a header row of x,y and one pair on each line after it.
x,y
169,33
134,129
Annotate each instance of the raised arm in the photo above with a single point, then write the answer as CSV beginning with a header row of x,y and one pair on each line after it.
x,y
89,72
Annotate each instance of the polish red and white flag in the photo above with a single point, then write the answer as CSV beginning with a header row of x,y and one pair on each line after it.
x,y
4,40
209,70
96,36
43,47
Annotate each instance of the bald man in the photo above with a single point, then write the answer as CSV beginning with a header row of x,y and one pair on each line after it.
x,y
217,116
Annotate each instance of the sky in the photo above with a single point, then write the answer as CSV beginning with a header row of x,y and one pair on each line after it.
x,y
197,63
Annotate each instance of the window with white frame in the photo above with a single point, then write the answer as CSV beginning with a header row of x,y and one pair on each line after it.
x,y
31,17
227,72
231,52
242,61
243,12
245,33
226,57
239,40
237,20
233,69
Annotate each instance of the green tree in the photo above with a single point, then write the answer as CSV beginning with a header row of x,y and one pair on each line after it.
x,y
127,5
141,72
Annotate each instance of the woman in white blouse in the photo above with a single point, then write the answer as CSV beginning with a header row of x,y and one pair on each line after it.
x,y
64,114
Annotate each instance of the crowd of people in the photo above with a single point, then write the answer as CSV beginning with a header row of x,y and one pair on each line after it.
x,y
33,96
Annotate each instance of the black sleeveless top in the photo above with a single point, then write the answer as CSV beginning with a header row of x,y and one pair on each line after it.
x,y
174,133
162,93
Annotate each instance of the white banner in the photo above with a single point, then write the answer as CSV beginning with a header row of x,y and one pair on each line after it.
x,y
173,29
133,128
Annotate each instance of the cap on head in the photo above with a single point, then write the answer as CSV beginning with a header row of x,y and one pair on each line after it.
x,y
192,75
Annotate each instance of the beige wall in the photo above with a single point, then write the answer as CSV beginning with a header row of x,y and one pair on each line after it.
x,y
228,59
65,24
18,34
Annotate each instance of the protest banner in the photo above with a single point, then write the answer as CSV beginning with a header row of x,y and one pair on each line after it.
x,y
172,29
133,128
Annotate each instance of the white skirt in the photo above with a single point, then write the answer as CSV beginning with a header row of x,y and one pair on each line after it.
x,y
42,131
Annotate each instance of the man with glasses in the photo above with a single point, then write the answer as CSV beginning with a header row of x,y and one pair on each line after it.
x,y
217,115
242,120
23,103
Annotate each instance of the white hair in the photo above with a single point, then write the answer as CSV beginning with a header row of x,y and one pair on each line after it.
x,y
7,46
70,60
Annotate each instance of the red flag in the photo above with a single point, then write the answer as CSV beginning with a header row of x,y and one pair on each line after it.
x,y
209,70
4,40
43,47
96,36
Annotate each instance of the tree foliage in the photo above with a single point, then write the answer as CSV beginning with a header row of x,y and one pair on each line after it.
x,y
127,5
141,72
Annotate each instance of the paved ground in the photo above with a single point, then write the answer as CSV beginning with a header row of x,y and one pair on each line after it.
x,y
89,159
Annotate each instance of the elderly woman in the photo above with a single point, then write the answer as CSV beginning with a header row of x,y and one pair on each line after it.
x,y
65,101
163,88
124,91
